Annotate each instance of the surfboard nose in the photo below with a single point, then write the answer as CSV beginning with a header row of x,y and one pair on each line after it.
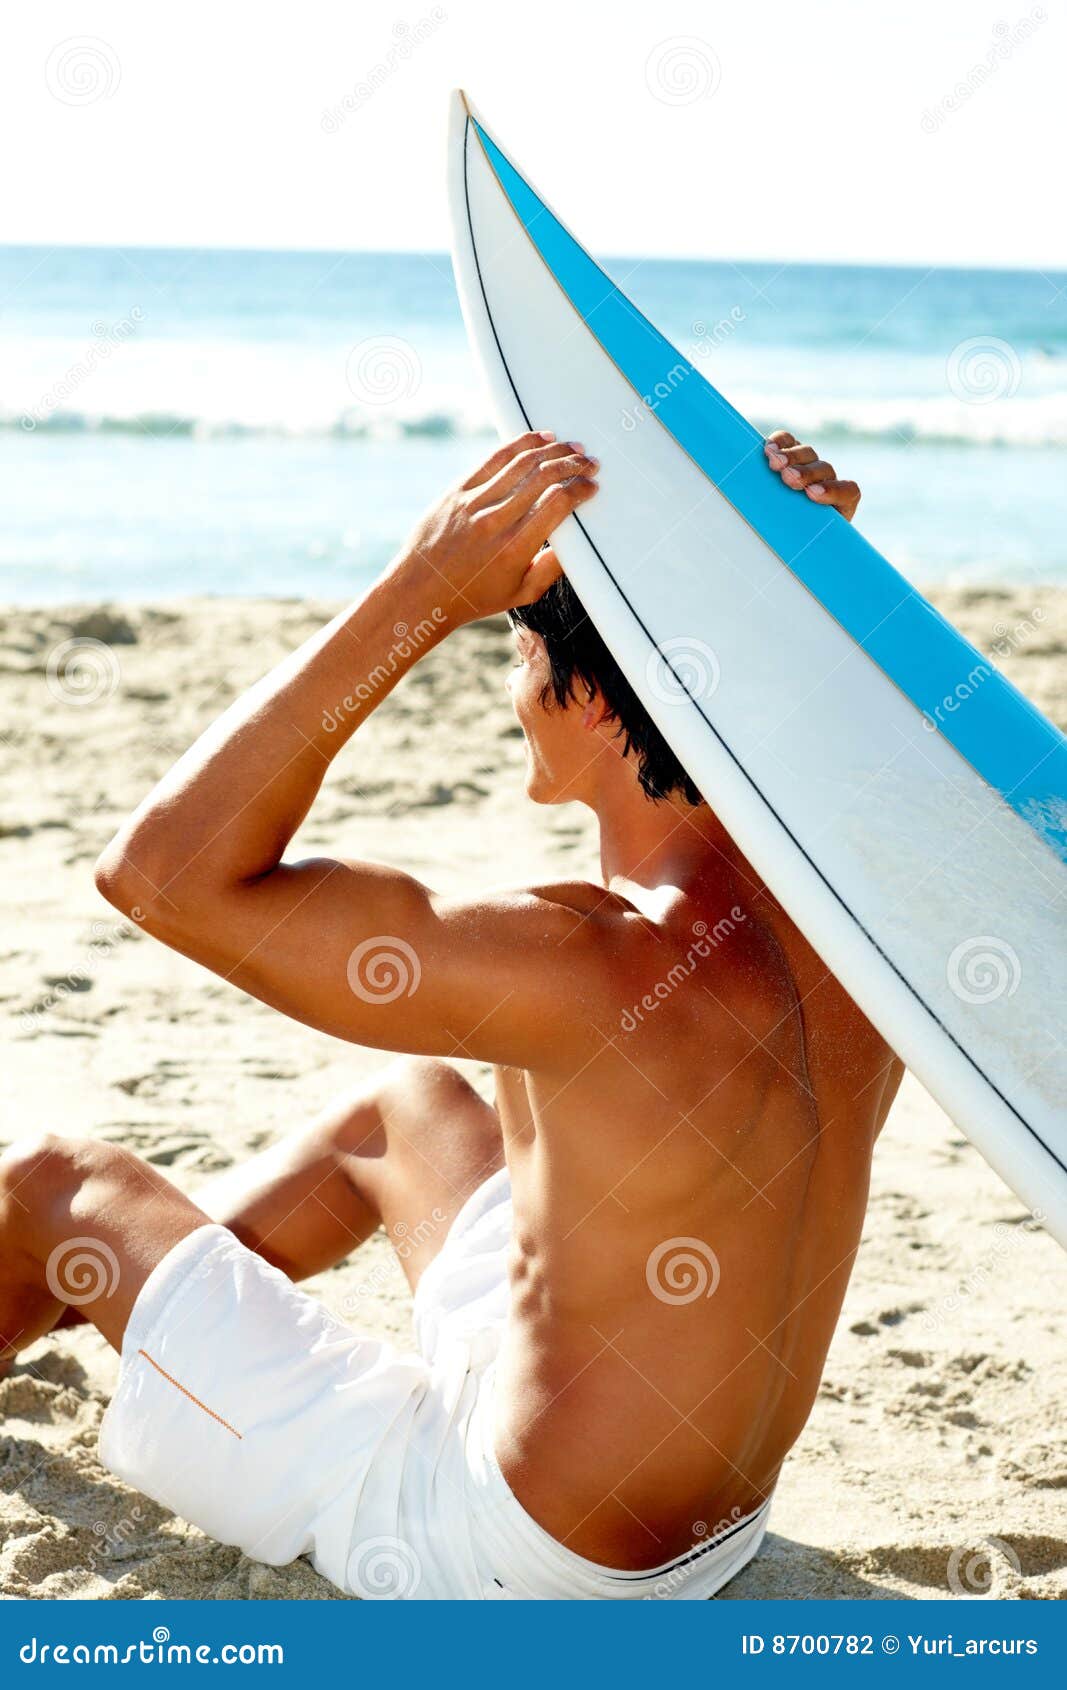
x,y
458,114
461,103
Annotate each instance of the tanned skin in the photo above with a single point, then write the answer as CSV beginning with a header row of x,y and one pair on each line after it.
x,y
733,1121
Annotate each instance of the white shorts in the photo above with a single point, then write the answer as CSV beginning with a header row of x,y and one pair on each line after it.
x,y
245,1407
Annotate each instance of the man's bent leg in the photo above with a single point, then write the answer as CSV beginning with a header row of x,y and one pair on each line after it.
x,y
82,1225
405,1151
242,1404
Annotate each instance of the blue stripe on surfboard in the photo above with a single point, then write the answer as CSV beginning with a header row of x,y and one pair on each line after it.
x,y
1015,749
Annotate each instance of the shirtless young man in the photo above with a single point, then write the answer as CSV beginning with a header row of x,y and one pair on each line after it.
x,y
614,1367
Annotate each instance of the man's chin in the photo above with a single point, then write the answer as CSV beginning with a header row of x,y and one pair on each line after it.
x,y
538,789
540,792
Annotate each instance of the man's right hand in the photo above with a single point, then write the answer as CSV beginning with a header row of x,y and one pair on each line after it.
x,y
481,544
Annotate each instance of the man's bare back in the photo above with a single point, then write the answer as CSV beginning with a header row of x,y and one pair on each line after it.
x,y
687,1208
687,1099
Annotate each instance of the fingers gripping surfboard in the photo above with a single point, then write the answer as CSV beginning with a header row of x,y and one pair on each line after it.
x,y
904,802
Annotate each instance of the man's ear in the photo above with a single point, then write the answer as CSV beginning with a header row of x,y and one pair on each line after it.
x,y
596,712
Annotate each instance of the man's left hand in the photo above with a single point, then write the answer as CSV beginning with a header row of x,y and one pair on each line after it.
x,y
802,469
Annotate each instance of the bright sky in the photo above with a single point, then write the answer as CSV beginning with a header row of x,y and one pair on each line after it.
x,y
758,128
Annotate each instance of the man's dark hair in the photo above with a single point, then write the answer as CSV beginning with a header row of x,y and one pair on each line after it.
x,y
577,656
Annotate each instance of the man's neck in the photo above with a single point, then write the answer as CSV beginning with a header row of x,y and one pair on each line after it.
x,y
664,842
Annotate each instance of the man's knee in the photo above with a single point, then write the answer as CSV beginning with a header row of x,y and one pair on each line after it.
x,y
35,1165
394,1099
412,1078
41,1173
419,1094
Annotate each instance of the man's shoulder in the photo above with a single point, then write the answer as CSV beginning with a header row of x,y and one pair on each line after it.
x,y
601,936
725,956
719,964
595,920
583,898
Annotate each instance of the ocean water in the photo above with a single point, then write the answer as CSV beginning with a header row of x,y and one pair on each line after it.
x,y
180,422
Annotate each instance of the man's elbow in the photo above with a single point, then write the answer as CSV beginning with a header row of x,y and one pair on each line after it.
x,y
133,875
119,881
171,899
145,857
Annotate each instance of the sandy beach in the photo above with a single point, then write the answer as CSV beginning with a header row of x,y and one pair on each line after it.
x,y
935,1463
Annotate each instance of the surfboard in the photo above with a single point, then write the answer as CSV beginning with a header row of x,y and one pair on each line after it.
x,y
906,805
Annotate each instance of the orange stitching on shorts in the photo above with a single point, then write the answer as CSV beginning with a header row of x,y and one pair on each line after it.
x,y
180,1387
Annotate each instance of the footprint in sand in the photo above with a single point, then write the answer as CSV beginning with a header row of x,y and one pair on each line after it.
x,y
887,1319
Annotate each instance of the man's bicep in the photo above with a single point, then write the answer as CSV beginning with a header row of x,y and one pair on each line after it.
x,y
371,955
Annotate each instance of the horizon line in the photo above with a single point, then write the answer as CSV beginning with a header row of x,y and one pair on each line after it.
x,y
442,253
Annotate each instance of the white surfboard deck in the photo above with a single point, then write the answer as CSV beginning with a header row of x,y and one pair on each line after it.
x,y
906,805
